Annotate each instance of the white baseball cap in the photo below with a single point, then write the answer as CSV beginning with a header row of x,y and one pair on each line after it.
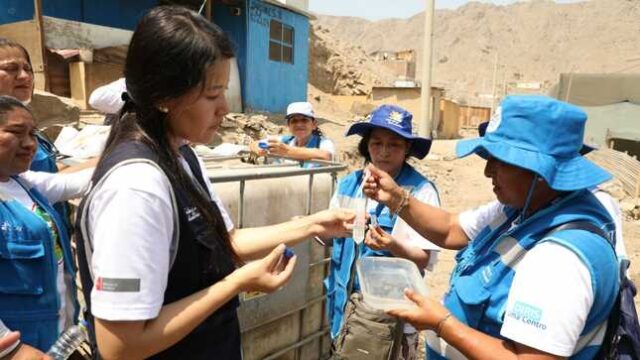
x,y
300,108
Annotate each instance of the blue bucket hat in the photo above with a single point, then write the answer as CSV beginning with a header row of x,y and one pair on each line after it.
x,y
396,120
540,134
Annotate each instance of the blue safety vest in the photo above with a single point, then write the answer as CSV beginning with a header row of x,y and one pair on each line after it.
x,y
29,299
313,143
343,252
45,160
45,157
482,278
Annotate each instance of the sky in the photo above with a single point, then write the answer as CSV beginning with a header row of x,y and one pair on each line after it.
x,y
382,9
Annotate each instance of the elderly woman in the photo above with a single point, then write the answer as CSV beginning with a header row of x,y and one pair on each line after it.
x,y
37,292
536,276
387,143
16,79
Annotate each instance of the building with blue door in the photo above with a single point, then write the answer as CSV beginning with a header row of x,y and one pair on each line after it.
x,y
271,38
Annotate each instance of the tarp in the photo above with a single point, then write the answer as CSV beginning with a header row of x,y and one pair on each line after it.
x,y
616,121
612,102
598,89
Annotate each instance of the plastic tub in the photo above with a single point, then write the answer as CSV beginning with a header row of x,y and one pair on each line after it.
x,y
383,280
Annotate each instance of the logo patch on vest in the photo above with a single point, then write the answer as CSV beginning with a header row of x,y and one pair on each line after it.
x,y
192,213
527,314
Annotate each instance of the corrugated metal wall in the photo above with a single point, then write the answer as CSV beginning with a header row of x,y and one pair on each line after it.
x,y
270,85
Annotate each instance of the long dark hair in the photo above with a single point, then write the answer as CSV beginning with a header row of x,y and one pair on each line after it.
x,y
169,54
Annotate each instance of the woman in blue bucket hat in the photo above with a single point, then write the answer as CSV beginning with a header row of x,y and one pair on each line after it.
x,y
387,142
524,285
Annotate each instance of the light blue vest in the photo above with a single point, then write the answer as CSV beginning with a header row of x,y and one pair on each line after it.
x,y
343,252
45,160
29,300
482,278
313,143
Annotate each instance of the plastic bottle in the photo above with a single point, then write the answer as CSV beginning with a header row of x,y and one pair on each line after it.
x,y
68,342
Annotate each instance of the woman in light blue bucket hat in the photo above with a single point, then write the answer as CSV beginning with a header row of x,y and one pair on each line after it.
x,y
535,274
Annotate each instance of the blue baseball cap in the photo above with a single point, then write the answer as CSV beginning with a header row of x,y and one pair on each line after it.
x,y
396,120
540,134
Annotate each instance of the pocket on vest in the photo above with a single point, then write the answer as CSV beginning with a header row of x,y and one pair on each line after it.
x,y
23,266
471,299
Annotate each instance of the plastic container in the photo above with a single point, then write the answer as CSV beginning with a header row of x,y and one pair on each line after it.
x,y
383,280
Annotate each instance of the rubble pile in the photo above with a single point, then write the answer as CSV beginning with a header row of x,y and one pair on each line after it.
x,y
338,68
237,128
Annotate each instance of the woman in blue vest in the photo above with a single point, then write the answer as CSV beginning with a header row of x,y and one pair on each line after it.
x,y
160,261
536,276
37,289
306,141
387,142
18,81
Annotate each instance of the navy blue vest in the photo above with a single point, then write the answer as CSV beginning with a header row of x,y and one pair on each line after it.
x,y
201,261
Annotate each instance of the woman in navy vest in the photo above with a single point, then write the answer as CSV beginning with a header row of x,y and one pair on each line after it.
x,y
160,261
37,288
536,275
387,143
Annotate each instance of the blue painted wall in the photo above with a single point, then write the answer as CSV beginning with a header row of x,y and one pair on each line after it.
x,y
122,14
266,85
270,85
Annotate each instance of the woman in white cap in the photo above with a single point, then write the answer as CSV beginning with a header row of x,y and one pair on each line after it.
x,y
306,141
387,142
536,275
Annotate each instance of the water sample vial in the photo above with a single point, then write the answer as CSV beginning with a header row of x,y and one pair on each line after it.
x,y
360,207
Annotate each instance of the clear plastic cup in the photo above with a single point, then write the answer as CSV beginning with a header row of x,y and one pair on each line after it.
x,y
383,280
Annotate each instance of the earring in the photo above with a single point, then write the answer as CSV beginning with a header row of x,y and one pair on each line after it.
x,y
163,109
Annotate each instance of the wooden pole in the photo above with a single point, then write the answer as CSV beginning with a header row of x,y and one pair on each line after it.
x,y
493,84
425,125
207,10
37,17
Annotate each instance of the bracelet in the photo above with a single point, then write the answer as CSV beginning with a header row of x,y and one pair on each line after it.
x,y
441,323
404,203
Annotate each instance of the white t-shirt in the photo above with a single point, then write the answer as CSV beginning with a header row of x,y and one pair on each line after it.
x,y
55,187
552,283
108,98
325,144
131,227
613,208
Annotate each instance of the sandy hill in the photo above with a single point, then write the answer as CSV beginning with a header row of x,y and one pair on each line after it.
x,y
535,41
